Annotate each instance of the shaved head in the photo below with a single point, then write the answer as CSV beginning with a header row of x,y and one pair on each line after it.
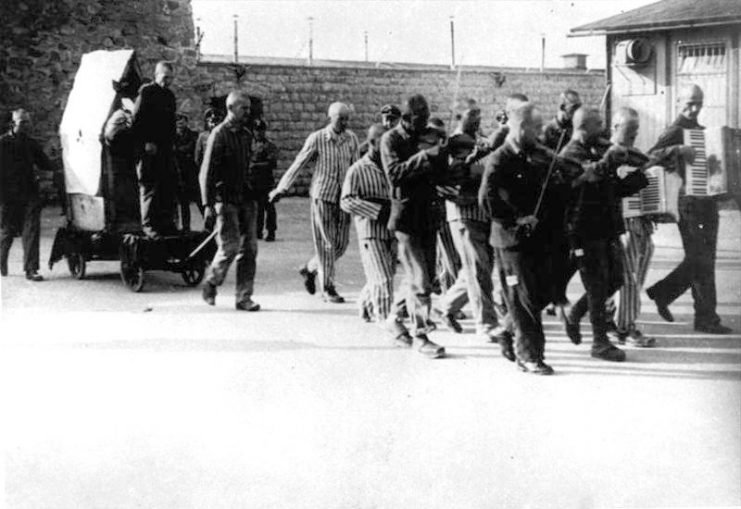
x,y
588,121
338,108
238,104
625,126
691,100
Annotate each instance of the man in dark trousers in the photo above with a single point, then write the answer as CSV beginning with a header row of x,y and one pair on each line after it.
x,y
698,226
20,203
188,190
509,192
154,129
264,163
413,173
228,190
594,223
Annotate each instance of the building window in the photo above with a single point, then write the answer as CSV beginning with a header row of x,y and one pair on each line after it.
x,y
702,58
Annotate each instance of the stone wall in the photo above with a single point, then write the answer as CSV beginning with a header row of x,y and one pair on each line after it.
x,y
41,43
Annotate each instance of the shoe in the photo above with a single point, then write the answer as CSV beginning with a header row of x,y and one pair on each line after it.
x,y
270,237
4,270
403,340
247,305
550,310
607,351
429,349
506,346
535,368
573,331
497,334
34,276
637,339
621,336
331,295
450,322
365,314
209,293
460,315
662,307
309,280
713,329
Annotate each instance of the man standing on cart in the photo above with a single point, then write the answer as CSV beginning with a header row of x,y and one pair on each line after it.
x,y
229,193
154,129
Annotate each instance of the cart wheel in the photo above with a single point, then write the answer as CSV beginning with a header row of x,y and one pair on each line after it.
x,y
194,275
77,265
132,276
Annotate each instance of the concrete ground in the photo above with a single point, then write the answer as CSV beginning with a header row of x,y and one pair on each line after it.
x,y
154,400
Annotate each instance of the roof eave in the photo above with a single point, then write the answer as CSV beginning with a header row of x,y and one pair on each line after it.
x,y
656,27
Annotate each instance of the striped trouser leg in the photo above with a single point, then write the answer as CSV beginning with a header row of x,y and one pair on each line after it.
x,y
637,253
379,265
448,261
330,229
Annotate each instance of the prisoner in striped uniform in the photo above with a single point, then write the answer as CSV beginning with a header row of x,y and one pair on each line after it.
x,y
366,196
333,149
471,229
637,244
638,249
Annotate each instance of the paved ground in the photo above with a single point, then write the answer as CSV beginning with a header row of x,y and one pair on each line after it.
x,y
118,400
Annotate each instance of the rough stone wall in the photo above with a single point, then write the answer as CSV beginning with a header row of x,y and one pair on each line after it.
x,y
41,42
296,98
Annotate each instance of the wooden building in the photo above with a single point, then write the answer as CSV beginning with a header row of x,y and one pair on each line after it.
x,y
654,50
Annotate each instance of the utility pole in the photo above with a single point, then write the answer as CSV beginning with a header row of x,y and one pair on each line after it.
x,y
236,39
199,38
542,52
366,45
452,42
311,40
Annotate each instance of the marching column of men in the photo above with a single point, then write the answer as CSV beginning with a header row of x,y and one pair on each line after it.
x,y
526,208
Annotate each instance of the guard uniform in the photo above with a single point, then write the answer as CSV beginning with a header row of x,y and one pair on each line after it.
x,y
20,203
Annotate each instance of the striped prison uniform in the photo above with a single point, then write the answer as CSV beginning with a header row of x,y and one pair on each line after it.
x,y
365,193
638,249
333,154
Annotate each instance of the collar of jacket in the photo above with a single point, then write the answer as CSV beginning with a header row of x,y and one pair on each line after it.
x,y
235,125
367,160
339,138
686,123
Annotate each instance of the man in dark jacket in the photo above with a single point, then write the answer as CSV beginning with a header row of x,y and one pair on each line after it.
x,y
413,172
154,130
557,132
698,227
264,163
20,203
228,191
188,190
594,223
509,192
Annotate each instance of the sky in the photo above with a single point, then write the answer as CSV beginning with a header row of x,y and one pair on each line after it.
x,y
487,32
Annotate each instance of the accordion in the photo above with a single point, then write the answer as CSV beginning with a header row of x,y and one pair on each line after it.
x,y
659,199
716,169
